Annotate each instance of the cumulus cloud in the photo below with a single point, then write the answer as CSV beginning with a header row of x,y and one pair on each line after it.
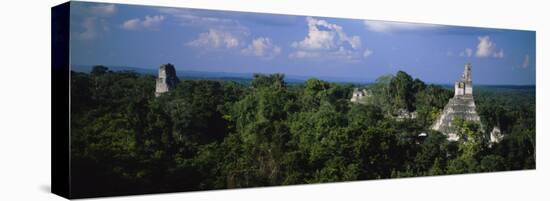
x,y
485,46
224,33
215,39
147,22
323,35
525,61
328,40
386,27
103,10
262,47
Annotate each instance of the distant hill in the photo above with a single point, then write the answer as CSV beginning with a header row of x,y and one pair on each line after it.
x,y
194,75
88,69
180,73
293,79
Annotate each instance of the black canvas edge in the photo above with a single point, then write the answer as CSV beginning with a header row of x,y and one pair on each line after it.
x,y
60,105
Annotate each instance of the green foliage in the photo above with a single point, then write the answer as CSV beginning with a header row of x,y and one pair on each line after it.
x,y
273,80
432,152
225,134
470,137
99,70
363,116
401,90
429,103
462,165
492,163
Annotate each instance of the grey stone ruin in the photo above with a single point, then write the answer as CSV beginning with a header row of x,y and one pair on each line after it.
x,y
167,79
462,105
358,96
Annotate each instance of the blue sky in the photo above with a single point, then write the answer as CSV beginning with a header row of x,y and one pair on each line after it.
x,y
224,41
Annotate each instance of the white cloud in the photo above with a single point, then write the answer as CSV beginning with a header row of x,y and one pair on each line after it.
x,y
152,21
468,52
262,47
147,22
303,54
202,18
499,54
367,53
485,46
525,61
103,10
327,40
132,24
346,54
323,35
386,27
215,39
94,20
225,33
89,27
189,16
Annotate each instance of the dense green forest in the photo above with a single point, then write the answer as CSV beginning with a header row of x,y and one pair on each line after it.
x,y
223,134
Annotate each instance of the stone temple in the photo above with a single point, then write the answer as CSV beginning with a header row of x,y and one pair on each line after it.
x,y
167,79
358,96
462,105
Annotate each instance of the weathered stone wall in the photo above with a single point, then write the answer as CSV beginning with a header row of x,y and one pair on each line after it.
x,y
468,89
458,106
167,79
464,85
359,96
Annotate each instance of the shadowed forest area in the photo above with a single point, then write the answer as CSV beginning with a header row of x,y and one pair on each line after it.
x,y
208,134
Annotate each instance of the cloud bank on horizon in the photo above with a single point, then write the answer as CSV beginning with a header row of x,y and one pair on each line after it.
x,y
225,41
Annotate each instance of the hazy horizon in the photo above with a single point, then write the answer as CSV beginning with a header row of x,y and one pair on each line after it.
x,y
219,74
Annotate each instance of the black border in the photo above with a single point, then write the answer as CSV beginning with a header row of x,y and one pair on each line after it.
x,y
60,77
